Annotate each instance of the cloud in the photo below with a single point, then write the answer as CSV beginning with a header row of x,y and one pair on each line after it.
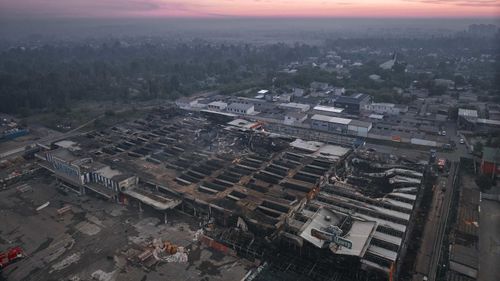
x,y
471,3
85,8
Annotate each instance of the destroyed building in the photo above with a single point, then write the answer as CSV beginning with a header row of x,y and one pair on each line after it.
x,y
319,210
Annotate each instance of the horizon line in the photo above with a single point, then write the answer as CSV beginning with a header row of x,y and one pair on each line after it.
x,y
219,17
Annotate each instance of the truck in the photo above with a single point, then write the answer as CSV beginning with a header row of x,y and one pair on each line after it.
x,y
10,256
441,164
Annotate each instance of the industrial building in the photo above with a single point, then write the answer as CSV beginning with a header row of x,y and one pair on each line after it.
x,y
327,110
352,104
385,108
300,107
490,162
240,108
340,125
269,195
217,105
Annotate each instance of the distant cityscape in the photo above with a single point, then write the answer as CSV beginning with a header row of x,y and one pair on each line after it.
x,y
351,158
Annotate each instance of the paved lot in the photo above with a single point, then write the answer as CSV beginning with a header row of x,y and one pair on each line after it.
x,y
94,239
489,241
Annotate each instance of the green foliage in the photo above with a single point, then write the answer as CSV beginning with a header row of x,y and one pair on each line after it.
x,y
484,182
109,112
478,148
53,77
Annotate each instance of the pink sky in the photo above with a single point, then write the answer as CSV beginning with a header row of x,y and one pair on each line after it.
x,y
250,8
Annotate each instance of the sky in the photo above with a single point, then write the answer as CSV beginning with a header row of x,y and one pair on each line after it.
x,y
248,8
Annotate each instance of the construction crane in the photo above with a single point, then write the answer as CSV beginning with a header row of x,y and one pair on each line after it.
x,y
10,256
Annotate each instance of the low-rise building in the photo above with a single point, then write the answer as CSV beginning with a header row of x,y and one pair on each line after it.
x,y
297,92
293,117
301,107
217,105
185,103
352,104
490,162
359,128
67,164
327,110
110,178
466,117
82,174
330,124
319,86
386,108
240,108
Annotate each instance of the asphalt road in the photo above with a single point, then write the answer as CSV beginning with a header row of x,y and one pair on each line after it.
x,y
432,241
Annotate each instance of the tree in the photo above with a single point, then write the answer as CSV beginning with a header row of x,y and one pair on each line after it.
x,y
109,113
174,83
478,148
484,182
453,113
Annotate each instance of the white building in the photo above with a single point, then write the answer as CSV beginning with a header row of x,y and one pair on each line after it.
x,y
327,110
217,105
297,92
186,103
111,178
241,108
292,118
359,128
295,106
285,98
386,108
340,125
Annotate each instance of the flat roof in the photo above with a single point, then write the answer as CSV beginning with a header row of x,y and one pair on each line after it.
x,y
355,98
240,106
295,105
108,172
64,154
219,113
360,235
491,154
376,116
66,144
388,104
318,221
242,123
388,238
359,123
328,108
382,252
331,119
467,112
155,201
332,152
218,103
488,121
311,146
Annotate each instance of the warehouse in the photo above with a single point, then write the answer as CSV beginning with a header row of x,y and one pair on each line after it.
x,y
340,125
241,108
352,104
330,124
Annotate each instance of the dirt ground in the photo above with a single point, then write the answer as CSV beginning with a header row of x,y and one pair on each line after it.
x,y
94,239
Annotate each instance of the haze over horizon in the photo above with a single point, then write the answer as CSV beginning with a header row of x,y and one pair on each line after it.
x,y
248,8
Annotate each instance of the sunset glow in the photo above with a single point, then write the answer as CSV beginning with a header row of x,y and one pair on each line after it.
x,y
250,8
